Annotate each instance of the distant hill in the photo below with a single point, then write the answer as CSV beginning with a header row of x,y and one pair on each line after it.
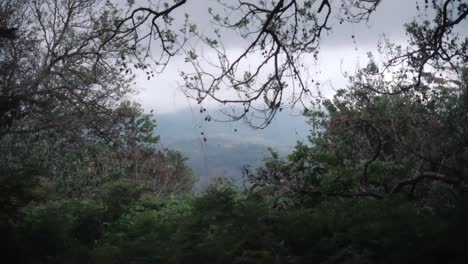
x,y
228,146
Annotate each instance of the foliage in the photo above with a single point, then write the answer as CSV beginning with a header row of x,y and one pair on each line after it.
x,y
365,144
56,72
225,225
383,179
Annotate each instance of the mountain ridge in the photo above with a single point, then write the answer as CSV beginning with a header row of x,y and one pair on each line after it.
x,y
222,149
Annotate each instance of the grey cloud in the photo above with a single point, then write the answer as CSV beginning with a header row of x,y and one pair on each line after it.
x,y
388,19
337,47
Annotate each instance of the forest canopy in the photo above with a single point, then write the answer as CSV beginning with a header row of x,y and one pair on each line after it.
x,y
382,178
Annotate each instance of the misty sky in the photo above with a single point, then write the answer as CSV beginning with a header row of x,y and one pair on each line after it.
x,y
338,52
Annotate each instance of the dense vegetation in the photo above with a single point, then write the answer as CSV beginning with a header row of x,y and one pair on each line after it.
x,y
329,202
382,179
225,225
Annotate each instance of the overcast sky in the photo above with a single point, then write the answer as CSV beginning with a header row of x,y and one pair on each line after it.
x,y
338,52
